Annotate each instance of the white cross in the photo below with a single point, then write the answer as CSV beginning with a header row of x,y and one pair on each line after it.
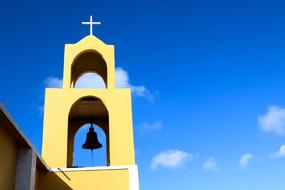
x,y
91,24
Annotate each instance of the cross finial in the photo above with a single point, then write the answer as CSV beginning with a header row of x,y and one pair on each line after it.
x,y
91,24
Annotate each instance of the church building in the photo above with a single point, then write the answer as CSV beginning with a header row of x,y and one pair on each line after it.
x,y
66,110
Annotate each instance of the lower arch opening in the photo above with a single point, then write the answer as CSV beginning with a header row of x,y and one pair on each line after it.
x,y
84,112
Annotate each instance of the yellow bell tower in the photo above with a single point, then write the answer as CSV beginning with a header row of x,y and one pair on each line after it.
x,y
68,108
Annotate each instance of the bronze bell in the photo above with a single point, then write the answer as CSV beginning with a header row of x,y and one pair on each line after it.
x,y
91,140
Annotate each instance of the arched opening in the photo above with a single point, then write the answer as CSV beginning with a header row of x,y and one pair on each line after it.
x,y
83,157
88,62
83,112
90,80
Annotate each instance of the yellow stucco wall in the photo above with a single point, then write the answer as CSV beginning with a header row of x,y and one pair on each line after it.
x,y
89,43
8,159
57,106
85,180
37,178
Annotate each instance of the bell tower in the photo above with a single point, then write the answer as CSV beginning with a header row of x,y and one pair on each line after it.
x,y
68,108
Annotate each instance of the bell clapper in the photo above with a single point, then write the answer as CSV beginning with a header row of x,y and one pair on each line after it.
x,y
92,157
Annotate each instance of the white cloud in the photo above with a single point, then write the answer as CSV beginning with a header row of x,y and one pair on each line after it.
x,y
210,165
245,159
171,159
280,153
273,121
122,81
151,126
50,82
90,80
41,109
53,82
122,78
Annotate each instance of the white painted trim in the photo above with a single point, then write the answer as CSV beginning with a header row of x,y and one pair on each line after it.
x,y
133,178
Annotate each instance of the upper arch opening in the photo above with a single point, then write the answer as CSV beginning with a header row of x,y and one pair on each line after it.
x,y
88,62
90,80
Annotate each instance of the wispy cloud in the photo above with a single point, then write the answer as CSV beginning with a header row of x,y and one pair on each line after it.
x,y
245,160
88,80
210,165
273,121
280,153
122,81
171,159
91,80
50,82
53,82
151,126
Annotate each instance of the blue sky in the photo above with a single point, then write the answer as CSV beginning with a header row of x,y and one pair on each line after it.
x,y
214,71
